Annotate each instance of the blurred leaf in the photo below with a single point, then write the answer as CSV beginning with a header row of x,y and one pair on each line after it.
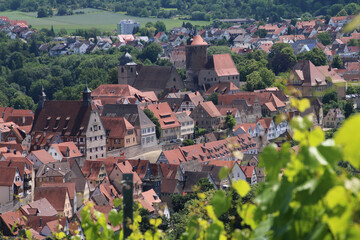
x,y
351,26
242,187
348,137
316,136
224,171
220,202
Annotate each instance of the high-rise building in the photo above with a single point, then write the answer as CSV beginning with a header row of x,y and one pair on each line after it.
x,y
127,26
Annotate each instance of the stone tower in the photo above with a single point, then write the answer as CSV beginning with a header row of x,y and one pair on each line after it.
x,y
196,58
127,70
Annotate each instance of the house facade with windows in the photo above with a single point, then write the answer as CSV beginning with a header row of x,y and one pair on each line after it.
x,y
72,121
144,127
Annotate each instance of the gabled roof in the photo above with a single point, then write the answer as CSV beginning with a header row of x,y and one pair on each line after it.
x,y
23,165
69,185
211,109
169,170
222,88
92,168
55,169
154,77
56,196
248,170
69,118
140,167
174,156
166,116
131,112
11,218
43,156
7,176
121,90
116,126
69,148
224,65
126,167
169,185
43,206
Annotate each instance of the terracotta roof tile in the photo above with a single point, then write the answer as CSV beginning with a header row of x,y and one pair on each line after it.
x,y
224,65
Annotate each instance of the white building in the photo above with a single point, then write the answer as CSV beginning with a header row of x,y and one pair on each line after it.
x,y
127,26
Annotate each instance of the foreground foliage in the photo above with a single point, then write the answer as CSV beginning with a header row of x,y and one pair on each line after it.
x,y
305,196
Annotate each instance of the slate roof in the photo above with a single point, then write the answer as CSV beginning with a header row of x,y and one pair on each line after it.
x,y
69,118
154,77
131,112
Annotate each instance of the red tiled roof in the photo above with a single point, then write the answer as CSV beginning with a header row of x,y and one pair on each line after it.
x,y
211,109
55,196
43,156
163,112
248,170
198,40
169,170
224,65
222,88
12,218
92,168
174,156
69,185
67,147
117,126
7,175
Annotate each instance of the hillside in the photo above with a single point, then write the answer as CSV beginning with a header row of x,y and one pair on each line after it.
x,y
197,9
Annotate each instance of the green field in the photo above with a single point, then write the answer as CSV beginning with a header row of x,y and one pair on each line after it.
x,y
93,18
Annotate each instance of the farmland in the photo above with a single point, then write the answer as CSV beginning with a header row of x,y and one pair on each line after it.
x,y
93,18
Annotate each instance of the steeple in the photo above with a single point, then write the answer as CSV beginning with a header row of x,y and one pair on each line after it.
x,y
86,96
42,99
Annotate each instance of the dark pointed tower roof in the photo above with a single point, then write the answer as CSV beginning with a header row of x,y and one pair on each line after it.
x,y
126,59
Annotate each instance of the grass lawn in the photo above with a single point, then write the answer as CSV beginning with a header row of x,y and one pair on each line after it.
x,y
93,18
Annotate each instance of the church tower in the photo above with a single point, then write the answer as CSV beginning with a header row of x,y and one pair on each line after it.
x,y
196,58
86,96
127,70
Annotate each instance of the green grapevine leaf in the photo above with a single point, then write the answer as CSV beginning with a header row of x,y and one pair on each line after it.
x,y
348,136
224,171
242,187
220,202
316,136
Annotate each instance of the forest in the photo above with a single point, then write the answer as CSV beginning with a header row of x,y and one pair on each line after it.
x,y
271,10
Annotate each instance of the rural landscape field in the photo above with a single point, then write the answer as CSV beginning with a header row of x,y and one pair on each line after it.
x,y
93,18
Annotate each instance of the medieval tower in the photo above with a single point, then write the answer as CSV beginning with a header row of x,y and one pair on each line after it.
x,y
127,70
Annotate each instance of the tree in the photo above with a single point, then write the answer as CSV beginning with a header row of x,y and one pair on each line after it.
x,y
324,38
348,109
199,131
329,96
230,121
261,33
155,120
337,62
254,81
15,60
315,55
281,57
160,26
42,12
62,10
188,142
218,50
342,13
214,98
151,52
34,48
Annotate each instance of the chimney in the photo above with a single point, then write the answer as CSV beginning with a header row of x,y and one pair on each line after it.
x,y
14,151
10,162
329,69
41,221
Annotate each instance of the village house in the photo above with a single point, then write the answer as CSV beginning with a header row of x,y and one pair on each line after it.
x,y
222,88
116,177
40,157
94,171
74,121
207,116
267,128
170,126
11,184
219,68
119,133
187,125
65,151
183,101
121,94
313,80
333,118
144,127
58,198
148,78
